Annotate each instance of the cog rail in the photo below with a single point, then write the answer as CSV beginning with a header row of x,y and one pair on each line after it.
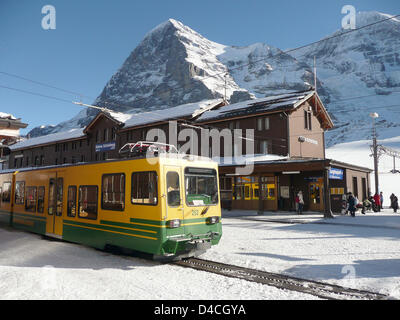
x,y
319,289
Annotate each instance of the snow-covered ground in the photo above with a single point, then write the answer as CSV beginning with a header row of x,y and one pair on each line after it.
x,y
35,268
361,252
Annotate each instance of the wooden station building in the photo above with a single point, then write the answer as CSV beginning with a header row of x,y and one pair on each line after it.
x,y
287,155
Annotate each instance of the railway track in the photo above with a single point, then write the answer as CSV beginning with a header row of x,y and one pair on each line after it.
x,y
319,289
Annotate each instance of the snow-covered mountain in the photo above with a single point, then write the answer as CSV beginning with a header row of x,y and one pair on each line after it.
x,y
175,65
360,73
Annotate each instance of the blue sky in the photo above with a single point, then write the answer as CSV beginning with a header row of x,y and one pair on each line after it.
x,y
93,38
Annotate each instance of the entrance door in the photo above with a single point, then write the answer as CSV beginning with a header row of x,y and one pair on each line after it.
x,y
54,226
316,196
174,199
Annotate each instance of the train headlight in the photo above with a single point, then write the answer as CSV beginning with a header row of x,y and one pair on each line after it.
x,y
212,220
174,223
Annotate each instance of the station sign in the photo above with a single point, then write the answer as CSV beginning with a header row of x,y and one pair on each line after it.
x,y
105,146
335,173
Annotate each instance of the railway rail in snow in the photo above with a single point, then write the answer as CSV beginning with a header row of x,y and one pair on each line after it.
x,y
319,289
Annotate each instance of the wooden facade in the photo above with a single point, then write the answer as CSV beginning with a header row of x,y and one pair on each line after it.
x,y
294,131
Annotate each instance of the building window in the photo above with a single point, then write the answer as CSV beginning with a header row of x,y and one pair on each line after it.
x,y
113,192
30,203
263,124
88,202
264,147
105,134
71,203
144,188
113,133
19,192
307,120
6,196
98,136
143,134
41,160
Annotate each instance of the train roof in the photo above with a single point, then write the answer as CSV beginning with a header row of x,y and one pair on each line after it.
x,y
166,159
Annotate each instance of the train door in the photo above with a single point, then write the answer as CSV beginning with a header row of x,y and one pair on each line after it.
x,y
54,225
316,196
174,188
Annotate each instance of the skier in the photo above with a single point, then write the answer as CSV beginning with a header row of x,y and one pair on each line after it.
x,y
352,205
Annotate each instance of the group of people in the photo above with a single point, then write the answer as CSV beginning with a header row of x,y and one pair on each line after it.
x,y
351,203
374,203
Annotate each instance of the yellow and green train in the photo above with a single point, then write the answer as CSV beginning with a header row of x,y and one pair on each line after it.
x,y
168,207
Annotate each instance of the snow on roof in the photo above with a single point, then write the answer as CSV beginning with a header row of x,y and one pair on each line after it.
x,y
185,110
248,159
59,136
255,106
9,116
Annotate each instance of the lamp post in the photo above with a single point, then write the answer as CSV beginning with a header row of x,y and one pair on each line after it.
x,y
374,115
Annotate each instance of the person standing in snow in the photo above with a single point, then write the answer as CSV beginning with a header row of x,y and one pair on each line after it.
x,y
300,202
381,199
352,205
395,204
391,200
377,200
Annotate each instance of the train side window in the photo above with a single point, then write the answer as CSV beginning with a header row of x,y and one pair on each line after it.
x,y
88,202
30,199
52,196
40,201
6,196
19,192
113,192
144,188
173,189
60,182
71,206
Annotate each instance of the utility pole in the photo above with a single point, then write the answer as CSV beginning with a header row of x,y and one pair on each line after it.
x,y
315,75
374,115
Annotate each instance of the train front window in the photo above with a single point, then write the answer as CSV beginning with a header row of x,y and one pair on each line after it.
x,y
201,186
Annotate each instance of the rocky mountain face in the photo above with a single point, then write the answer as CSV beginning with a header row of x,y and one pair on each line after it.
x,y
360,73
175,65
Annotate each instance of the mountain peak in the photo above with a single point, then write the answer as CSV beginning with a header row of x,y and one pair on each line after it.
x,y
166,25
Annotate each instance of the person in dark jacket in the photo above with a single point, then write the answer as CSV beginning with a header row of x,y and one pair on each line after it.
x,y
395,204
352,204
391,200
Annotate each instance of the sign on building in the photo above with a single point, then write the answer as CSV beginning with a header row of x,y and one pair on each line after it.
x,y
335,173
100,147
